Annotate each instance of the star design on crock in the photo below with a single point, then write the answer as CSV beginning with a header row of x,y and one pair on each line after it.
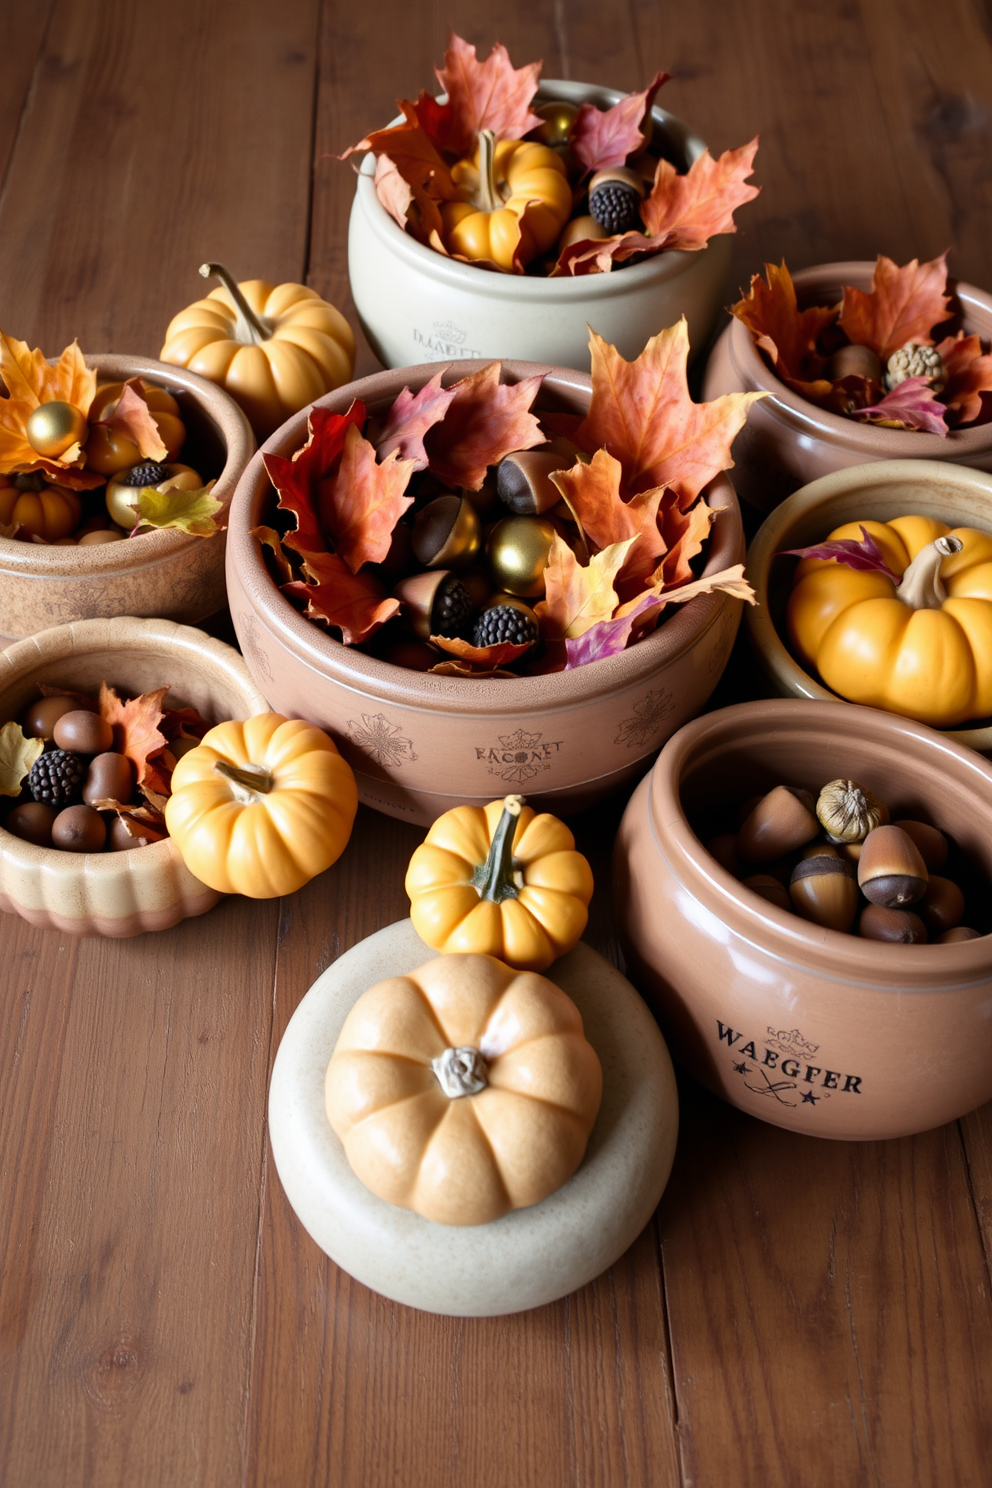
x,y
742,1069
648,716
809,1099
380,739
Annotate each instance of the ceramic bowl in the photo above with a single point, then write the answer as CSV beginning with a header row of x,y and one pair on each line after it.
x,y
421,743
166,573
788,441
807,1028
147,888
890,488
415,305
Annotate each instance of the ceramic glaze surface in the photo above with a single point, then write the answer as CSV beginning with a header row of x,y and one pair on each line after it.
x,y
416,305
419,743
809,1029
878,492
167,573
788,441
530,1256
147,888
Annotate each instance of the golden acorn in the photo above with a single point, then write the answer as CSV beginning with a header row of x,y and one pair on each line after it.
x,y
447,533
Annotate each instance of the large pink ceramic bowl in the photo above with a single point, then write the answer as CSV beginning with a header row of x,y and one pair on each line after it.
x,y
809,1029
788,441
421,743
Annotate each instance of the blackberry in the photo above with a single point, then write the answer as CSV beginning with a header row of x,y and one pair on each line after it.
x,y
614,206
505,623
56,778
151,473
451,608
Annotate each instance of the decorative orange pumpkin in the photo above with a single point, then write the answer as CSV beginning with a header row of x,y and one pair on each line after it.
x,y
501,880
261,807
274,348
921,646
40,510
515,200
463,1090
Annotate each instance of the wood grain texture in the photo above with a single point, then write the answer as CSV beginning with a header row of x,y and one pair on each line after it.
x,y
24,25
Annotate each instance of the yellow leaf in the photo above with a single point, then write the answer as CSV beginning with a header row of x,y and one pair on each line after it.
x,y
577,597
190,511
30,381
17,755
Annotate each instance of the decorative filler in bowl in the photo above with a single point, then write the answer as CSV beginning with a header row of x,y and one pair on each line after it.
x,y
62,437
560,190
873,357
482,540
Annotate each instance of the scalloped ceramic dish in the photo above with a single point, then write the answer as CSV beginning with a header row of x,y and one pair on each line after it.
x,y
146,888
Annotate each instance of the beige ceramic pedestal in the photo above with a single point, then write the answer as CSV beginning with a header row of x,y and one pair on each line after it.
x,y
528,1257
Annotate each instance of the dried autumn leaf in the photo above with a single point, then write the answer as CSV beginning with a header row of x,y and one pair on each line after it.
x,y
785,333
183,723
608,637
190,511
132,417
299,481
269,538
465,669
354,603
9,529
641,412
969,375
410,204
601,138
903,304
144,823
576,596
30,381
686,534
593,495
362,503
409,419
501,654
17,755
865,555
481,95
135,724
485,420
911,405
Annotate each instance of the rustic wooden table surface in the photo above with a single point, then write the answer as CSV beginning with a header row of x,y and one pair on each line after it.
x,y
799,1312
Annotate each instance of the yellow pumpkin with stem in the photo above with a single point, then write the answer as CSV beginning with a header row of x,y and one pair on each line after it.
x,y
919,645
501,880
37,508
262,806
515,200
274,347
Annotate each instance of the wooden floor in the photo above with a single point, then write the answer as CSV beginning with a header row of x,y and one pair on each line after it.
x,y
799,1313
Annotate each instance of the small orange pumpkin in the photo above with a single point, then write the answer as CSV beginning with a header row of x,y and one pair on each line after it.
x,y
38,509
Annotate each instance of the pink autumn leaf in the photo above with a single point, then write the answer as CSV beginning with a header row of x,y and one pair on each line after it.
x,y
911,405
865,555
609,637
410,418
602,138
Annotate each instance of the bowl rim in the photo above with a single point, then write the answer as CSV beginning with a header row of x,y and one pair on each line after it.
x,y
382,680
864,439
519,287
45,560
778,933
772,536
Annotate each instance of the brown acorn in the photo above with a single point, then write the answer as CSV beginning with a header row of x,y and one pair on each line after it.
x,y
959,933
783,820
447,533
932,843
823,889
891,870
524,484
581,230
769,888
897,926
854,361
942,906
434,603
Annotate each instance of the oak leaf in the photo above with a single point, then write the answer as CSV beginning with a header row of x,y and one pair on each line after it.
x,y
500,654
354,602
300,480
911,405
409,419
969,375
641,412
30,381
576,596
135,724
17,755
593,495
903,304
363,501
601,138
190,511
785,333
481,95
485,420
132,417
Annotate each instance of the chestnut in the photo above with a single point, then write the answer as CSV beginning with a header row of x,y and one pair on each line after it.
x,y
769,888
110,777
79,829
32,822
898,926
783,820
959,933
823,889
932,843
891,871
41,717
942,906
83,732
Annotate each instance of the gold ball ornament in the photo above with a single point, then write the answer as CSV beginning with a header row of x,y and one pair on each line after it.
x,y
556,127
518,550
55,427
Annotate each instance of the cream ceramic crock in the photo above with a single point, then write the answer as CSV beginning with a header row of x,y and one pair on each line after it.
x,y
420,743
820,1032
416,305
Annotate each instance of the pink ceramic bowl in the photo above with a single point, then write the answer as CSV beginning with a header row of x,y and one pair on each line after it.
x,y
809,1029
420,743
788,441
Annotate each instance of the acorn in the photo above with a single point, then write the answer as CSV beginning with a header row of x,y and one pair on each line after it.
x,y
524,484
518,549
52,428
854,361
898,926
434,603
891,870
823,889
847,812
124,488
79,829
932,843
959,933
41,718
581,230
782,820
942,906
615,197
447,533
769,888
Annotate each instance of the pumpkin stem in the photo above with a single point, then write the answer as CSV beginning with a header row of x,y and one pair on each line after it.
x,y
489,197
461,1071
248,782
922,587
252,328
29,480
494,879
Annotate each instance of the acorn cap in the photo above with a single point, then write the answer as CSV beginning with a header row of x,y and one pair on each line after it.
x,y
823,889
782,821
524,484
447,533
891,871
897,926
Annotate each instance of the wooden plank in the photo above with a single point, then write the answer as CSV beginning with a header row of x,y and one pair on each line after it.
x,y
24,24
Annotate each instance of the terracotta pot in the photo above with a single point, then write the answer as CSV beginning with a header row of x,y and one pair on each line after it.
x,y
788,441
145,888
166,573
419,743
807,1028
417,305
891,488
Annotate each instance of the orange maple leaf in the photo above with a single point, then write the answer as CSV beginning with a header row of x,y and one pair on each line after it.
x,y
362,503
485,420
969,375
642,413
355,603
903,304
132,417
481,95
787,334
686,534
577,596
135,724
30,381
686,211
593,495
500,654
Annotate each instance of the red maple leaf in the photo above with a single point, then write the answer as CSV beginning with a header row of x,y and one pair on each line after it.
x,y
299,480
355,603
969,375
485,420
409,419
903,305
362,502
481,95
785,333
601,138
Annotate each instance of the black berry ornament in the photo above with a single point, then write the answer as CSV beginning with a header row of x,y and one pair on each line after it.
x,y
615,199
56,777
151,473
505,623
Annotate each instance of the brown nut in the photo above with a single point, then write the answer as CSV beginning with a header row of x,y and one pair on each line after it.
x,y
769,888
524,484
782,821
942,906
79,829
933,845
847,812
41,717
959,933
434,603
110,777
581,230
854,361
823,889
447,533
891,871
723,847
32,822
898,926
83,732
